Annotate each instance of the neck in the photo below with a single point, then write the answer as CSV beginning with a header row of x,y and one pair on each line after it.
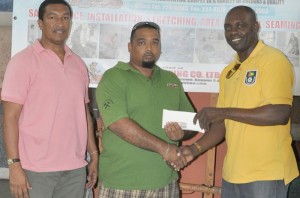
x,y
59,50
245,54
145,71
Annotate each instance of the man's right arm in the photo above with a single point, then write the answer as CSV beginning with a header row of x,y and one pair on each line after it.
x,y
266,115
131,132
19,184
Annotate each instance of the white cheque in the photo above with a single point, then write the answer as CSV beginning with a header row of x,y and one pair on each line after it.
x,y
183,118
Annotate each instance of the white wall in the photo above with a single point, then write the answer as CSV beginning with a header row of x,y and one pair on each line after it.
x,y
5,18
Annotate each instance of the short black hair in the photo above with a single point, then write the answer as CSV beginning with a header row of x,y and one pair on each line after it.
x,y
144,24
247,9
45,3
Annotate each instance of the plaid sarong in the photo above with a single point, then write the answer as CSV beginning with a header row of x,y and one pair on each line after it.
x,y
169,191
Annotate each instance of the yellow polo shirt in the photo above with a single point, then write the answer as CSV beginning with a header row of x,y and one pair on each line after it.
x,y
257,153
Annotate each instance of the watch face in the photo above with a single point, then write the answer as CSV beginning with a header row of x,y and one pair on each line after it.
x,y
11,161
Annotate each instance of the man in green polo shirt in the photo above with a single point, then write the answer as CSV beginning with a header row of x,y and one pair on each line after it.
x,y
138,156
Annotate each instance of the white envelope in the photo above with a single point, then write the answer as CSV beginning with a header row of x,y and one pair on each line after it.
x,y
183,118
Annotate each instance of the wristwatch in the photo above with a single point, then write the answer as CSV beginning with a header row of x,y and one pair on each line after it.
x,y
11,161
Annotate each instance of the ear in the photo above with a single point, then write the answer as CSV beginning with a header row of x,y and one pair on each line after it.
x,y
257,26
129,47
40,23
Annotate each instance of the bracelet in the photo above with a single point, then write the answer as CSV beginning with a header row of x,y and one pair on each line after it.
x,y
198,146
167,149
93,153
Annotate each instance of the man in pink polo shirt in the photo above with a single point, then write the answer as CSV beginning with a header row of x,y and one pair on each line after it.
x,y
47,124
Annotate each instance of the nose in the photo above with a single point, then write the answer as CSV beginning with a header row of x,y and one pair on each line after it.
x,y
234,29
148,47
60,21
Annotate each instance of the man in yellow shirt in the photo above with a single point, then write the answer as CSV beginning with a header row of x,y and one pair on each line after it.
x,y
252,114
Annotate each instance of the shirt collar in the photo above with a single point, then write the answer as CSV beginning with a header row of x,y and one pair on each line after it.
x,y
39,48
126,66
258,47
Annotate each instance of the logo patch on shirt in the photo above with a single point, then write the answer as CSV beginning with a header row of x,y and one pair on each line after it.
x,y
174,85
250,78
107,103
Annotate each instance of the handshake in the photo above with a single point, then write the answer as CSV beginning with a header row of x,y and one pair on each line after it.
x,y
178,157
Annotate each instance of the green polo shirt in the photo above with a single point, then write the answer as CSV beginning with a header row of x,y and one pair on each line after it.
x,y
125,92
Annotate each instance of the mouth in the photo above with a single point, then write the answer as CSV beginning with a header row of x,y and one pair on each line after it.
x,y
236,40
59,31
148,56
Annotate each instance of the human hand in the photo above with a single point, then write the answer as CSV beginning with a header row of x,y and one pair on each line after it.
x,y
188,152
92,173
173,131
174,158
19,184
207,116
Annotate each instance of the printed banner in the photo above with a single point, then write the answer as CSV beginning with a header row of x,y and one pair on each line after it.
x,y
193,42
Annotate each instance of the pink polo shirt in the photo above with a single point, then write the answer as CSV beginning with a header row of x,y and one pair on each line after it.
x,y
52,124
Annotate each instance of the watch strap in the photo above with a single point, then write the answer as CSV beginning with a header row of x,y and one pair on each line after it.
x,y
12,161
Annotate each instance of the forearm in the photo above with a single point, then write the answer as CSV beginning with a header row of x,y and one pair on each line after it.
x,y
11,129
91,142
11,140
188,135
210,138
131,132
267,115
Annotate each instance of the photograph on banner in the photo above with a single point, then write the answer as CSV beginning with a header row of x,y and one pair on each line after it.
x,y
34,32
96,70
211,47
113,41
178,44
84,39
192,33
289,44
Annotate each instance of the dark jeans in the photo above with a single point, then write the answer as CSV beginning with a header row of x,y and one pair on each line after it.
x,y
257,189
